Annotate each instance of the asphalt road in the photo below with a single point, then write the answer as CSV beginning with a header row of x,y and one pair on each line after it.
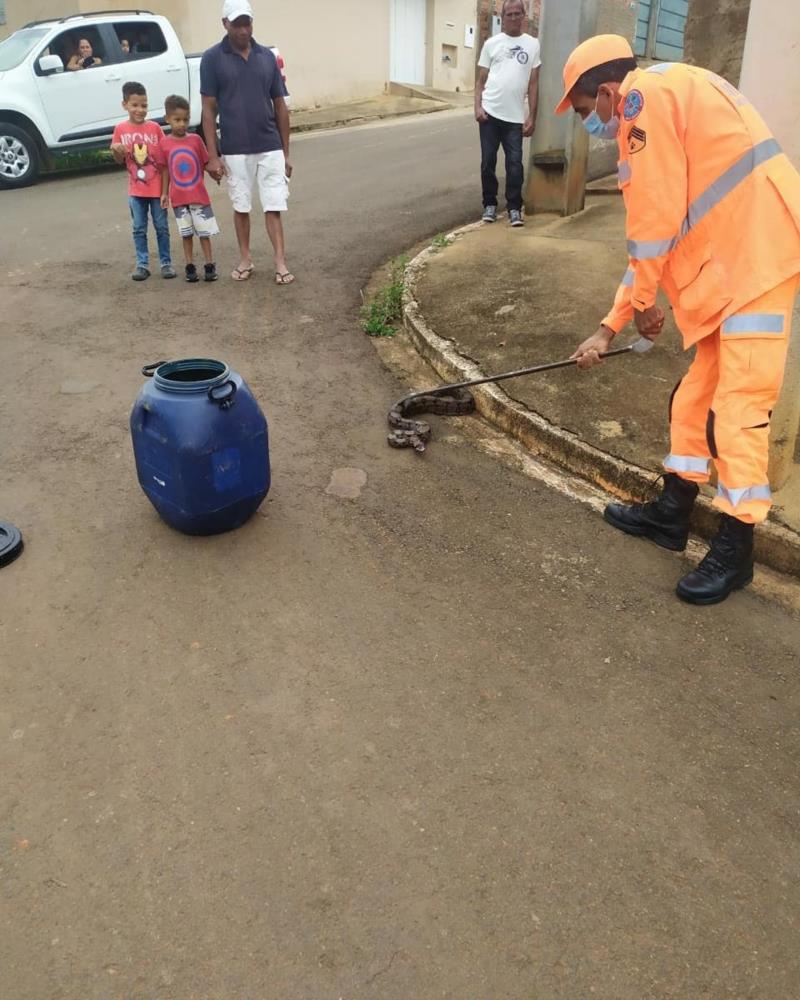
x,y
452,737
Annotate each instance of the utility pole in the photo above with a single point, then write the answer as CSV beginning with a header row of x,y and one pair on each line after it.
x,y
771,80
560,145
484,15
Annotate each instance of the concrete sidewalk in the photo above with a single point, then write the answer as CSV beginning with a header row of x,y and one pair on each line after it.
x,y
499,299
392,105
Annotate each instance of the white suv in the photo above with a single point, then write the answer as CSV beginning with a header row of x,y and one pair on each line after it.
x,y
46,109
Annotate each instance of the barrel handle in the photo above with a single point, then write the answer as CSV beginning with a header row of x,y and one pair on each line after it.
x,y
149,370
225,401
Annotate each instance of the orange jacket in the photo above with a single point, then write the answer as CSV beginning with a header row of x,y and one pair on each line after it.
x,y
713,204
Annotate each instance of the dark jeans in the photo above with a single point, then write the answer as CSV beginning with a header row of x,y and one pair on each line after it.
x,y
140,207
496,133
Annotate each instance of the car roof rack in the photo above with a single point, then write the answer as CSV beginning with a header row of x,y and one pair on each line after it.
x,y
84,13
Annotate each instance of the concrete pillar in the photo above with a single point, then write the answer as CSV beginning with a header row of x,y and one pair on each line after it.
x,y
560,145
771,68
714,36
785,424
771,80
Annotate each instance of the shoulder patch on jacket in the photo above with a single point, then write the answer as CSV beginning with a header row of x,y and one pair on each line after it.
x,y
634,103
637,139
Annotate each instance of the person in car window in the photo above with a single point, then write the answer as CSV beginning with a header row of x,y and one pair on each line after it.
x,y
125,45
84,58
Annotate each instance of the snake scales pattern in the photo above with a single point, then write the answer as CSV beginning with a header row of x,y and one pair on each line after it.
x,y
408,433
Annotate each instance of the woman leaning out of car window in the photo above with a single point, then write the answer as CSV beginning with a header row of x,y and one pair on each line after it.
x,y
84,58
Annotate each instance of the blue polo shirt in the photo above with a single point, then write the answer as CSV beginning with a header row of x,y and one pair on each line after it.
x,y
244,89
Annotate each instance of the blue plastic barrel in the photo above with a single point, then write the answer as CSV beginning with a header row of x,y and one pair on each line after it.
x,y
201,445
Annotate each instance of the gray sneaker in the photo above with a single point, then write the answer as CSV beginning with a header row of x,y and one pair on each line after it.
x,y
167,271
140,274
515,217
489,214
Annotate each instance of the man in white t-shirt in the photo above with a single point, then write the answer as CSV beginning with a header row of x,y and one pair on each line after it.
x,y
508,72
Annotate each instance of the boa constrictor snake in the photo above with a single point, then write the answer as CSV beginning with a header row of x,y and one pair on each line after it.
x,y
408,433
456,399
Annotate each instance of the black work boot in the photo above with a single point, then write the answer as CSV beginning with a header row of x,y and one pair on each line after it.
x,y
727,566
664,521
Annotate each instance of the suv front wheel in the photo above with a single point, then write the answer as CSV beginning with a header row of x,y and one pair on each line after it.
x,y
19,157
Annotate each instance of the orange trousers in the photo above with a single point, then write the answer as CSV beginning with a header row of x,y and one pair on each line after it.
x,y
721,409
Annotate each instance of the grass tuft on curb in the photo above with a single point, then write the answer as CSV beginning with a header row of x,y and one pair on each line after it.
x,y
441,240
378,317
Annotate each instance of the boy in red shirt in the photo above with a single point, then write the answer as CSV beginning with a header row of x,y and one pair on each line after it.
x,y
137,143
184,158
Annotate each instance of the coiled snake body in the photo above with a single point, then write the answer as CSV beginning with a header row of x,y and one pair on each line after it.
x,y
407,433
455,399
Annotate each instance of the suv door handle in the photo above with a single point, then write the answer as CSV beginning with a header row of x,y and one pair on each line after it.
x,y
113,79
174,69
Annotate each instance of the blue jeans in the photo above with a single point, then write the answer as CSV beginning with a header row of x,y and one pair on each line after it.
x,y
139,209
495,133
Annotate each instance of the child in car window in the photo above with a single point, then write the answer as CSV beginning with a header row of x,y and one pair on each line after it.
x,y
184,159
125,45
137,143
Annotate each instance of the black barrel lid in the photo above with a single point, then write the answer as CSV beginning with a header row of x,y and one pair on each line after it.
x,y
10,543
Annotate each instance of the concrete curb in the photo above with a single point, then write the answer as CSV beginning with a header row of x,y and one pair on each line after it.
x,y
776,546
332,123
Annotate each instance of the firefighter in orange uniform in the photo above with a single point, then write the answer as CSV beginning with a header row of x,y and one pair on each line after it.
x,y
713,218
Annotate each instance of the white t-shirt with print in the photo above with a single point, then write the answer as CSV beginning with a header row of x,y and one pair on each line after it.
x,y
510,62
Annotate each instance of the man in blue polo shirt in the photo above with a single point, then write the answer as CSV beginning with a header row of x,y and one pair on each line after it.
x,y
240,80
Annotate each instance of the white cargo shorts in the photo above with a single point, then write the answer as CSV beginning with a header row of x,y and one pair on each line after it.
x,y
268,170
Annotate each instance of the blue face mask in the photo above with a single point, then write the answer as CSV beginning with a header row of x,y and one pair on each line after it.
x,y
595,126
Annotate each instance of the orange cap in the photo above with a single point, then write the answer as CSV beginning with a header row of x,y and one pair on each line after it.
x,y
593,52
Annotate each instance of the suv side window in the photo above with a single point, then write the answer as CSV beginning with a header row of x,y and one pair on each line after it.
x,y
139,40
66,45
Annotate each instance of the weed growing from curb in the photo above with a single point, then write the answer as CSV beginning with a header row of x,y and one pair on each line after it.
x,y
441,240
379,316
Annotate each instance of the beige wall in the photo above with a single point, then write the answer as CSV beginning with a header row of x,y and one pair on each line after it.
x,y
20,12
337,51
441,15
771,68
